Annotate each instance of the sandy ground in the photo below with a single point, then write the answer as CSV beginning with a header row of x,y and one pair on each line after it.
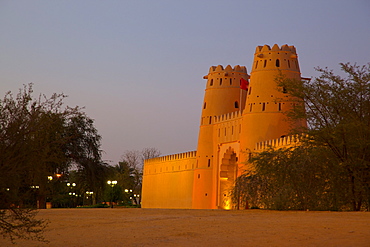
x,y
166,227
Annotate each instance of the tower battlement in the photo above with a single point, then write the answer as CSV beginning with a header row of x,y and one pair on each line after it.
x,y
228,68
275,47
282,58
221,71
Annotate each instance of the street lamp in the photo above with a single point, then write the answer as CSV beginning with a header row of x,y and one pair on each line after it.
x,y
71,193
112,184
88,195
137,198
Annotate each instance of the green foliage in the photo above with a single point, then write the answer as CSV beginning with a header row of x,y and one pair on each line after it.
x,y
296,178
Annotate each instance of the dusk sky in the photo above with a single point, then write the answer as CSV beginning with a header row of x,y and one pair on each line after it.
x,y
137,66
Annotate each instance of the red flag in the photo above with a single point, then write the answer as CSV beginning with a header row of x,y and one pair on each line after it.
x,y
243,84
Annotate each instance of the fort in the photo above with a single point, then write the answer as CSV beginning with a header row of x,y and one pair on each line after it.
x,y
241,113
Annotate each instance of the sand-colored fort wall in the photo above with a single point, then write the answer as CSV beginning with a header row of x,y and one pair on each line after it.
x,y
227,127
168,181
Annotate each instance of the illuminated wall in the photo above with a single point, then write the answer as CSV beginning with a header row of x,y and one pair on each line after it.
x,y
168,181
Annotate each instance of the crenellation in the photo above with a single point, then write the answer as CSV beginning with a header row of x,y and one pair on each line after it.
x,y
228,68
171,157
228,117
281,142
275,48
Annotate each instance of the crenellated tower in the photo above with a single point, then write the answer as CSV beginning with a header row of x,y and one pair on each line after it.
x,y
222,95
263,117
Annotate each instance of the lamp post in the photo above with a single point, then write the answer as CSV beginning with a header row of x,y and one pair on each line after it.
x,y
89,195
71,194
50,192
112,184
137,197
131,196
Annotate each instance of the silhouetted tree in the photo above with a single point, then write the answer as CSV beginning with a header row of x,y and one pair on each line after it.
x,y
337,110
129,172
40,137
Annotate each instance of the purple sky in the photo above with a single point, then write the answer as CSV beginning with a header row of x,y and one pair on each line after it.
x,y
137,66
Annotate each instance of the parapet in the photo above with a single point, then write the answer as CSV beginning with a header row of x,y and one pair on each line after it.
x,y
172,157
280,58
275,47
220,68
228,117
285,141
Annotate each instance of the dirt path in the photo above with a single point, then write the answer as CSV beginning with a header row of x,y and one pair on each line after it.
x,y
164,227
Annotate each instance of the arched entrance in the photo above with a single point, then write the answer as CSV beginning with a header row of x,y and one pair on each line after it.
x,y
228,174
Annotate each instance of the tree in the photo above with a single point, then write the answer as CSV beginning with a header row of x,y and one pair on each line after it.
x,y
40,137
83,150
149,153
296,178
337,110
125,176
129,172
248,191
31,145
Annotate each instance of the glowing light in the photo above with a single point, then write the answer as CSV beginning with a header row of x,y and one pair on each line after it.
x,y
112,183
227,203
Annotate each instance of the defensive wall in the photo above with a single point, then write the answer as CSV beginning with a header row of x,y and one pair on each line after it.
x,y
168,181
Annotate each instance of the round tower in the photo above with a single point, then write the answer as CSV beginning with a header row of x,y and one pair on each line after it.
x,y
223,94
263,117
